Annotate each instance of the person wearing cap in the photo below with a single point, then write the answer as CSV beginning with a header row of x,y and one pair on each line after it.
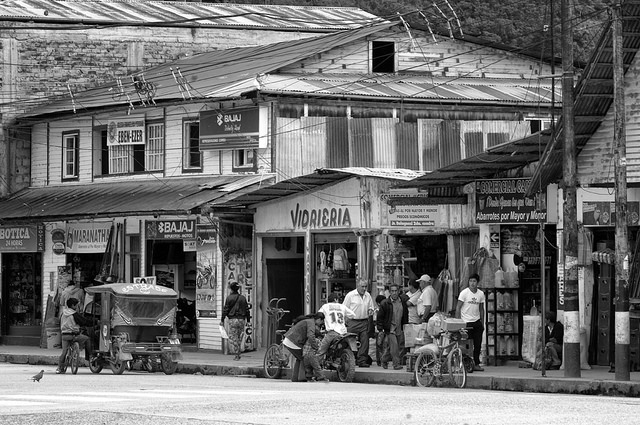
x,y
428,302
470,308
236,309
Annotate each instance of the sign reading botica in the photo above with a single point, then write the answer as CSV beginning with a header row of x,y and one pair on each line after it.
x,y
24,238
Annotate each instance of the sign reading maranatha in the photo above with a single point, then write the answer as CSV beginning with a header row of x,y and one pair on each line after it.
x,y
504,201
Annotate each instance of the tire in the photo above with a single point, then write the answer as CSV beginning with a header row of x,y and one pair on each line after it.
x,y
347,369
117,365
469,364
457,371
95,364
424,369
168,365
272,363
75,357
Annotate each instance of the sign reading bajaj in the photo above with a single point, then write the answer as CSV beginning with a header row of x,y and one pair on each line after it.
x,y
170,229
244,128
126,131
504,201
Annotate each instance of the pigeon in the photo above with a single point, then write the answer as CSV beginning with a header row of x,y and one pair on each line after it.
x,y
37,376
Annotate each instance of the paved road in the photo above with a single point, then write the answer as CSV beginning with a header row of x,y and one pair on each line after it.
x,y
143,398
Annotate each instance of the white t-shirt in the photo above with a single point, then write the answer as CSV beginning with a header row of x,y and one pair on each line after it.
x,y
413,308
470,310
335,315
429,297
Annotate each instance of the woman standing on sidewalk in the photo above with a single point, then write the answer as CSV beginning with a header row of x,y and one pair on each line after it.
x,y
236,309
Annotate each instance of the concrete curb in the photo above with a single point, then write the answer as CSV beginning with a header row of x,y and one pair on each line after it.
x,y
476,381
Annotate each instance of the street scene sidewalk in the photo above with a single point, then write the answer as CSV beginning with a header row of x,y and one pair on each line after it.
x,y
510,377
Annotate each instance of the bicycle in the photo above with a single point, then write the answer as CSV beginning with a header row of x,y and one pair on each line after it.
x,y
277,356
72,357
430,363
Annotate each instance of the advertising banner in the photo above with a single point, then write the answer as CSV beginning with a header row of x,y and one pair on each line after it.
x,y
504,201
87,237
24,238
604,213
206,275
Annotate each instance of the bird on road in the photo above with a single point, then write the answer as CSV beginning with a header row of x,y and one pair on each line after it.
x,y
37,376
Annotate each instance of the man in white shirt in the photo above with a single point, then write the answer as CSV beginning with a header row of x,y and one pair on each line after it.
x,y
470,308
428,302
360,302
335,319
412,303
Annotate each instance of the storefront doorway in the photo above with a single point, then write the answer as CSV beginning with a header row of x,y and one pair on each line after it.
x,y
285,279
22,298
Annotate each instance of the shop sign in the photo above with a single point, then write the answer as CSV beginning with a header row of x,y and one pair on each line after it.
x,y
126,131
87,237
320,218
24,238
504,201
414,215
233,129
170,229
604,213
148,280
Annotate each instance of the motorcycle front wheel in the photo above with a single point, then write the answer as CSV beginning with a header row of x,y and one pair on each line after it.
x,y
347,369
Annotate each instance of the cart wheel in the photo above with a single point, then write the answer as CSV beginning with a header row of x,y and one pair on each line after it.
x,y
117,365
95,364
168,365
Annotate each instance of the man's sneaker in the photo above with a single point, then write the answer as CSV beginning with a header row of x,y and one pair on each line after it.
x,y
58,372
477,368
398,367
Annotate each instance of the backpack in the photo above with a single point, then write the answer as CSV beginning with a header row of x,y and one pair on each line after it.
x,y
340,260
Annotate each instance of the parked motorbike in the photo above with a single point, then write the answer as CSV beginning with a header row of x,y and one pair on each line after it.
x,y
341,358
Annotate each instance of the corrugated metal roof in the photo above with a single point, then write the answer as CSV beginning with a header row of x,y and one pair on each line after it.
x,y
485,165
309,183
415,87
177,13
593,93
217,74
132,197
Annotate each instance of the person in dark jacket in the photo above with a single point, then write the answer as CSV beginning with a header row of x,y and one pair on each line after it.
x,y
237,310
392,316
303,332
553,337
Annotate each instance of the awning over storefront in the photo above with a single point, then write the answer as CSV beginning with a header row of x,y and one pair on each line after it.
x,y
175,195
490,164
310,182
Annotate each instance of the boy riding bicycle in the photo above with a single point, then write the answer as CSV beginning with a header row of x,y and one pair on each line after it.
x,y
70,323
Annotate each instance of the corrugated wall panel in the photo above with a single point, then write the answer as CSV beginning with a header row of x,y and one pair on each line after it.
x,y
383,136
360,143
288,155
450,143
472,138
314,143
337,142
429,134
407,146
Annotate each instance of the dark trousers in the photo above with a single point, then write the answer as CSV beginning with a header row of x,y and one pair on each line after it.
x,y
476,336
361,328
297,374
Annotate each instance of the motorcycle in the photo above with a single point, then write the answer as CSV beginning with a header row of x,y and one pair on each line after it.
x,y
341,358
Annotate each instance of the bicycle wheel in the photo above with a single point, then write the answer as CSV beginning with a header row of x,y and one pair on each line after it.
x,y
272,362
457,371
425,368
75,357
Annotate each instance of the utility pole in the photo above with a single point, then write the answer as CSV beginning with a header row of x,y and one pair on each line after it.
x,y
570,214
622,324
